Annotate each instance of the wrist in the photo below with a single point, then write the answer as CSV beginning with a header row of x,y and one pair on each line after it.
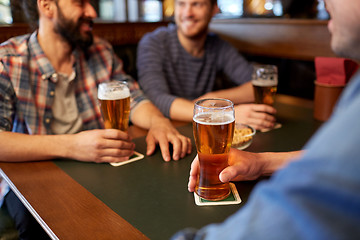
x,y
64,146
270,163
273,161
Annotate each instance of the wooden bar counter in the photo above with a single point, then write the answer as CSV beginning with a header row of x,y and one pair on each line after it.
x,y
144,199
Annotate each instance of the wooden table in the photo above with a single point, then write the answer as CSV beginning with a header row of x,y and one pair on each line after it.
x,y
144,199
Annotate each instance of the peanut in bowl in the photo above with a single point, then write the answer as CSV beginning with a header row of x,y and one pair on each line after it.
x,y
243,136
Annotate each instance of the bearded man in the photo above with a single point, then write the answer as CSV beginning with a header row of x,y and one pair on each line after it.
x,y
48,98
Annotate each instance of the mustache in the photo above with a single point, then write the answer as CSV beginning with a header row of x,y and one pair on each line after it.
x,y
86,20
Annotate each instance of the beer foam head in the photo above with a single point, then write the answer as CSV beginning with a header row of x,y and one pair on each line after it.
x,y
264,83
113,91
265,75
214,118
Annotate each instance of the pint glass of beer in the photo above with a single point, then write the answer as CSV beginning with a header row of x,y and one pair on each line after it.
x,y
265,81
114,98
213,126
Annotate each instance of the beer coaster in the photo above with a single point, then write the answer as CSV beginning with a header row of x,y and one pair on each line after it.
x,y
277,125
233,198
136,156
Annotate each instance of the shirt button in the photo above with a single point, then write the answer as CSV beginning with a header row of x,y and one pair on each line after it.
x,y
54,76
47,120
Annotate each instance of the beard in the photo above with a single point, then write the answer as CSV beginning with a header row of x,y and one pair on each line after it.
x,y
346,44
70,31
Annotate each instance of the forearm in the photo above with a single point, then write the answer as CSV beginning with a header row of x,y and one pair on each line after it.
x,y
182,110
17,147
273,161
239,94
146,115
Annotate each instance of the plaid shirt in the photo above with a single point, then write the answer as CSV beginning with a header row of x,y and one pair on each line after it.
x,y
27,84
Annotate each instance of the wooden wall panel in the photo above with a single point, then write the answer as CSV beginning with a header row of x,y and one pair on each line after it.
x,y
284,38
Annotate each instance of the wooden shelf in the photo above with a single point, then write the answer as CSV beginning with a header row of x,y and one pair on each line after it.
x,y
301,39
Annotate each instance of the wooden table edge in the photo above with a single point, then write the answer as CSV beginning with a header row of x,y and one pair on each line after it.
x,y
85,213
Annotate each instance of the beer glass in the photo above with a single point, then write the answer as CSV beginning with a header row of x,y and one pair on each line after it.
x,y
114,98
213,127
265,81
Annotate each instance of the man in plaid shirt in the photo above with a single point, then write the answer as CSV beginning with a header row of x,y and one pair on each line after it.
x,y
48,96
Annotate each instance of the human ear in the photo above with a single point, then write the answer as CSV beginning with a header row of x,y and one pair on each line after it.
x,y
46,7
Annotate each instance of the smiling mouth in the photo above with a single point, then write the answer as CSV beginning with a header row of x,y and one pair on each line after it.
x,y
189,22
87,24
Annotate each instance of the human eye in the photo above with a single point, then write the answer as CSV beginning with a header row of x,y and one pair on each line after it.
x,y
198,4
79,2
180,3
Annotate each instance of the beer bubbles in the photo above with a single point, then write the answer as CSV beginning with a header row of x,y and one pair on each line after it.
x,y
213,126
114,98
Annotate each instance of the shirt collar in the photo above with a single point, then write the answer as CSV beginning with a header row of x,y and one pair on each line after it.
x,y
46,69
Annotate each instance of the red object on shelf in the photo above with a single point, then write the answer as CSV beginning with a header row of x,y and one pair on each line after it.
x,y
332,74
334,71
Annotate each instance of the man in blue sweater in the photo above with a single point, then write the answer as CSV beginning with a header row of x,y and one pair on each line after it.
x,y
179,64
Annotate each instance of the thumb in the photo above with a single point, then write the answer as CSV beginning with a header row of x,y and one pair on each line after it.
x,y
227,174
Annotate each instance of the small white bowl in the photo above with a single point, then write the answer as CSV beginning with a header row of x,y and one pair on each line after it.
x,y
243,136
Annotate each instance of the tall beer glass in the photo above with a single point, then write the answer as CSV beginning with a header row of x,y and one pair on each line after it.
x,y
114,98
213,126
265,81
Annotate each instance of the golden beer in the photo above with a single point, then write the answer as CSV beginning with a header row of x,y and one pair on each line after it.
x,y
265,81
264,93
114,98
213,133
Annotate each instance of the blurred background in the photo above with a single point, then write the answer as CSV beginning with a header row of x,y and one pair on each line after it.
x,y
160,10
296,75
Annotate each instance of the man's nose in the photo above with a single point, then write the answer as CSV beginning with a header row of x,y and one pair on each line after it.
x,y
188,10
90,11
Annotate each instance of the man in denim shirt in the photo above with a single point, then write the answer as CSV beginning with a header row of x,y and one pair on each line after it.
x,y
317,195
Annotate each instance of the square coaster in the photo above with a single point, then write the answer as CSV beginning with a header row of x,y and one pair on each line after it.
x,y
136,156
233,198
277,125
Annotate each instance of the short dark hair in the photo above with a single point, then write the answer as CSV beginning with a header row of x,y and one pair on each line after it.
x,y
213,2
30,9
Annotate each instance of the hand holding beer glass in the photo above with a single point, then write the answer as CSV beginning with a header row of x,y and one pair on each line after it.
x,y
114,98
213,126
265,81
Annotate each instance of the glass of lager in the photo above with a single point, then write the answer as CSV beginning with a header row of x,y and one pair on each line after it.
x,y
265,81
114,98
213,126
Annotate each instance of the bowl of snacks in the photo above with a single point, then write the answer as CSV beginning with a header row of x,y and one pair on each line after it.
x,y
243,136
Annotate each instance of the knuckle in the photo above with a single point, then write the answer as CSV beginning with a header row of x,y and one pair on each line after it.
x,y
118,152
